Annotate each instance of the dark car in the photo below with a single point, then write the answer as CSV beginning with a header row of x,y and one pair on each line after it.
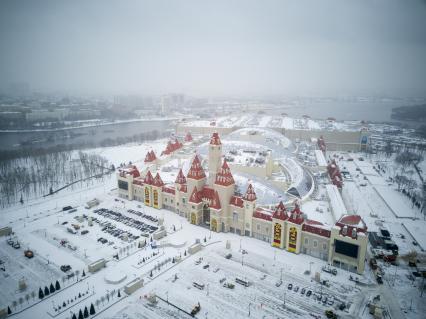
x,y
65,268
66,208
290,286
309,293
303,291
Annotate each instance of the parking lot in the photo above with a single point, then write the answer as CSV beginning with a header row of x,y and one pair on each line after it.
x,y
114,230
241,285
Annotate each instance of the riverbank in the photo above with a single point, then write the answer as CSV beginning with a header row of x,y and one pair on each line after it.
x,y
92,125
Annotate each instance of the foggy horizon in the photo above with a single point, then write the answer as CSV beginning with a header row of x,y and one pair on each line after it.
x,y
221,48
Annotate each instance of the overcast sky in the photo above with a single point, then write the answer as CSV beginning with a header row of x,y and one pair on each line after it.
x,y
215,47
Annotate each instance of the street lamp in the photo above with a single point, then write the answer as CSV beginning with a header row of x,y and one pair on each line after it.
x,y
167,296
249,308
284,299
310,264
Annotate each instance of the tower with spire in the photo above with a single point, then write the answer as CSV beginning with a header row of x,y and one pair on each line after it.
x,y
224,184
157,194
215,156
181,193
249,206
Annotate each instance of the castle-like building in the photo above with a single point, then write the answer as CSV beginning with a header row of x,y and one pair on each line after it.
x,y
211,201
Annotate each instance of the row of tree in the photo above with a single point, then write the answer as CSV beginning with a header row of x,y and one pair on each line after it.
x,y
85,313
47,291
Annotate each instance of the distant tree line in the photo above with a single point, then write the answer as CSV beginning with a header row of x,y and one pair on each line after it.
x,y
410,113
26,152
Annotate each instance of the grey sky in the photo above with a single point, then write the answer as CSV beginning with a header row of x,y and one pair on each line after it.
x,y
216,47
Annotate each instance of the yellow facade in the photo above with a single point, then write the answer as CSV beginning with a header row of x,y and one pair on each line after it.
x,y
147,197
292,240
156,205
213,225
194,218
276,242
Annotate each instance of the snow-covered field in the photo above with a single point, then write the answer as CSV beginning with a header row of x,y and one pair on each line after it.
x,y
280,121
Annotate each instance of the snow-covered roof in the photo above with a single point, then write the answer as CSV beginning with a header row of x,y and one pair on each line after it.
x,y
351,225
321,161
129,170
336,201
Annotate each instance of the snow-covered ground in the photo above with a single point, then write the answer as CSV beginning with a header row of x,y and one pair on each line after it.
x,y
277,121
41,225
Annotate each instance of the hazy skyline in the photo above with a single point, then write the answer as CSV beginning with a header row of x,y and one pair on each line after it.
x,y
216,47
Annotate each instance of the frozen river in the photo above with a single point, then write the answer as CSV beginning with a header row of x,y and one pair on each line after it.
x,y
94,134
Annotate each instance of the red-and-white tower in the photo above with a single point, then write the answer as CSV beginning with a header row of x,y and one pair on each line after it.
x,y
215,156
225,186
249,204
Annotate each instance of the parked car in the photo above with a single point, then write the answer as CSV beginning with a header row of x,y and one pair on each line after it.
x,y
290,286
373,263
229,285
65,268
309,293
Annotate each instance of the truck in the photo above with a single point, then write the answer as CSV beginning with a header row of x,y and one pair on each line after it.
x,y
195,310
198,285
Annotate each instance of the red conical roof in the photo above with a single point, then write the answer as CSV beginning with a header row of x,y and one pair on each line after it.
x,y
180,179
158,181
215,203
188,137
280,212
296,215
148,178
150,157
195,196
224,176
172,146
133,170
250,195
215,140
196,171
